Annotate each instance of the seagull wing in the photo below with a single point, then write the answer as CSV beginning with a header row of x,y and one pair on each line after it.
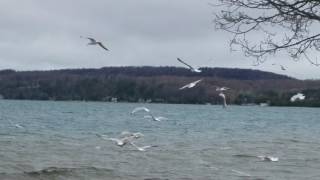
x,y
293,98
101,45
161,118
224,99
134,145
197,81
185,86
224,88
137,135
298,96
191,85
18,126
143,148
222,95
185,63
120,142
147,147
154,118
140,109
91,39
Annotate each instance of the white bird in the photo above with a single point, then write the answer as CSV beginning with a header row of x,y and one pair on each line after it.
x,y
197,70
16,125
150,114
224,99
268,158
121,141
298,96
158,118
191,85
94,42
220,89
140,109
143,148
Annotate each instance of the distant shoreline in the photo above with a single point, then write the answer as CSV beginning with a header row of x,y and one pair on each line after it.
x,y
158,85
123,102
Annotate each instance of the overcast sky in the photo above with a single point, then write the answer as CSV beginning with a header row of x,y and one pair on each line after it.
x,y
45,34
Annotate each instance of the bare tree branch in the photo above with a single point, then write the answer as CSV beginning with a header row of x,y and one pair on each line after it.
x,y
285,25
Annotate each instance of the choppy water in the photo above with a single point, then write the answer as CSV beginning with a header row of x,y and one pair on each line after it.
x,y
200,142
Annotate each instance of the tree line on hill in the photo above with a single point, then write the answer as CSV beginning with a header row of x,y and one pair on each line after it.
x,y
157,84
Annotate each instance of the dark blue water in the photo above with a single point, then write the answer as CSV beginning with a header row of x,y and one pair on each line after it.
x,y
58,141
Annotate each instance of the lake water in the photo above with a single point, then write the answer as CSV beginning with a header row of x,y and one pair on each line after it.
x,y
202,142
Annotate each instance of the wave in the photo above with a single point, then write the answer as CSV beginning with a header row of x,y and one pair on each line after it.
x,y
244,156
62,173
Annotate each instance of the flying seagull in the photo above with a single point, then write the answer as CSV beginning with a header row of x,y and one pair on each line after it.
x,y
197,70
150,114
191,85
16,125
140,109
122,141
143,148
158,118
94,42
298,96
224,99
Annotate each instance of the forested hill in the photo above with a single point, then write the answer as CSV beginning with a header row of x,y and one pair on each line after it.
x,y
156,84
149,71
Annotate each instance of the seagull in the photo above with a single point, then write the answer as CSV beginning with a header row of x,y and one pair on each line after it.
x,y
191,85
121,141
18,126
298,96
140,109
159,118
197,70
220,89
268,158
150,114
224,99
143,148
94,42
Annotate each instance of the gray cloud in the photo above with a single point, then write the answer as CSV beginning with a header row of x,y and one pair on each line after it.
x,y
45,35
